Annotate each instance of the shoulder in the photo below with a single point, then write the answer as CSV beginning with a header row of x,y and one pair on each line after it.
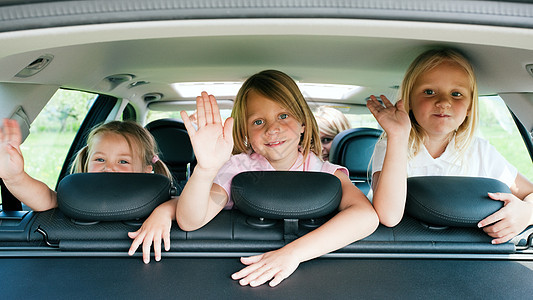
x,y
317,164
482,146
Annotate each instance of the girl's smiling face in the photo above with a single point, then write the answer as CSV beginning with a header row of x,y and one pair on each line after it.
x,y
441,99
272,131
111,152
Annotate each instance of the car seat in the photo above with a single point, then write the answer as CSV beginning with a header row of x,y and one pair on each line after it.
x,y
353,148
175,148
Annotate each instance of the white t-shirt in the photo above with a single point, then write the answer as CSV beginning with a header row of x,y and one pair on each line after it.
x,y
481,160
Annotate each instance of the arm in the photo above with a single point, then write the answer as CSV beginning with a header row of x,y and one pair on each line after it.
x,y
201,200
516,214
32,192
355,220
155,228
390,184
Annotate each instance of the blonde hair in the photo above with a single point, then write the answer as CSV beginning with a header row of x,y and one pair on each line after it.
x,y
331,121
135,135
424,63
280,88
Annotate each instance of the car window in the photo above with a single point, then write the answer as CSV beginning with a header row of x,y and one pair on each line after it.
x,y
497,126
52,133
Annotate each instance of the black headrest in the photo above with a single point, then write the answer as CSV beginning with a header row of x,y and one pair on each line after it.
x,y
111,196
286,194
452,200
172,140
353,148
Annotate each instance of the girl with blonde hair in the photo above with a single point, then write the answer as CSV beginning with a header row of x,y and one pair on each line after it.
x,y
271,128
431,131
112,147
330,122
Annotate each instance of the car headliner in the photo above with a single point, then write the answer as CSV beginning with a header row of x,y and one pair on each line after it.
x,y
372,53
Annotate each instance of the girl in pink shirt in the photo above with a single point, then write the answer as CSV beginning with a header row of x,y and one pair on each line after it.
x,y
271,128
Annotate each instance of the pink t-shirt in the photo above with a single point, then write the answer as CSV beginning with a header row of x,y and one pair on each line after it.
x,y
255,162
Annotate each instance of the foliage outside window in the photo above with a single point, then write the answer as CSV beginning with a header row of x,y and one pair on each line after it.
x,y
52,133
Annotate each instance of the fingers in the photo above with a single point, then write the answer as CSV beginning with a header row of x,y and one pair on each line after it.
x,y
375,106
136,242
147,244
166,241
146,241
11,133
500,214
200,110
264,267
386,101
208,107
399,105
188,124
157,248
215,110
228,130
251,262
251,259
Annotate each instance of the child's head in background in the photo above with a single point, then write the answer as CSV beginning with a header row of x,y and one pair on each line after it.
x,y
119,146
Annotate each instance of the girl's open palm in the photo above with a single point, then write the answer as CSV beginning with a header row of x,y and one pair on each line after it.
x,y
212,141
393,118
11,161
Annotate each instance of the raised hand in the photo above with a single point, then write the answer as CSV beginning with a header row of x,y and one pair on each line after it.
x,y
11,160
212,141
392,118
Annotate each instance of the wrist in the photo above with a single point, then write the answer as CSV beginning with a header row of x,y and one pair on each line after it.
x,y
205,173
399,138
15,179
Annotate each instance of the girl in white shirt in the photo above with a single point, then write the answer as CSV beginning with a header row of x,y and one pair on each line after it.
x,y
431,131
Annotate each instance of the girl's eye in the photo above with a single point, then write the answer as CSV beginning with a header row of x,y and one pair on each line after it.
x,y
456,94
283,116
99,159
429,92
326,140
258,122
123,162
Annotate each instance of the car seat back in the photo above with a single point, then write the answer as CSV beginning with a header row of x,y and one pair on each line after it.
x,y
175,148
353,148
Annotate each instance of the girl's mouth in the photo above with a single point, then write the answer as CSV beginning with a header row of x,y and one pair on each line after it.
x,y
441,115
275,144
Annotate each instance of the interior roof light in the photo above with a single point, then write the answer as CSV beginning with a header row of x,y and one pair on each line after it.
x,y
309,90
193,89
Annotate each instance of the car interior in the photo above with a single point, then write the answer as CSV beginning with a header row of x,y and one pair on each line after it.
x,y
148,66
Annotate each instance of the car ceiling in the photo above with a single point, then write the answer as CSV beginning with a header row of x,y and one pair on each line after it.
x,y
370,53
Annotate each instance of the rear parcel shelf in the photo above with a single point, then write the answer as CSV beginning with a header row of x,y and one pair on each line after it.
x,y
264,220
230,231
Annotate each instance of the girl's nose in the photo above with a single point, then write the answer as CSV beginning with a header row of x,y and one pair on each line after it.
x,y
108,168
274,128
443,101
